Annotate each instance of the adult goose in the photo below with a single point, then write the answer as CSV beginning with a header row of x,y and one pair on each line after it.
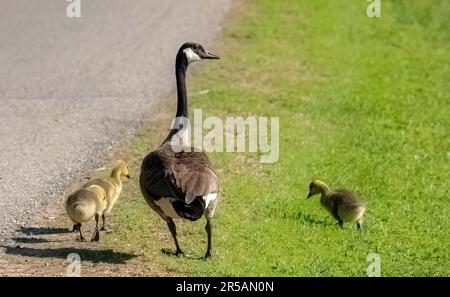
x,y
177,180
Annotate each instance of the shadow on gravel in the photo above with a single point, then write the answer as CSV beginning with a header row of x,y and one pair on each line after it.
x,y
43,230
95,256
30,240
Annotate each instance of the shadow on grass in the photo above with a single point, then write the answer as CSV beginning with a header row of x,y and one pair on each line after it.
x,y
30,240
43,230
95,256
171,253
310,220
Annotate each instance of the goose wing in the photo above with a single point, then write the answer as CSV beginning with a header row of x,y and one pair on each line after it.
x,y
183,176
343,196
343,202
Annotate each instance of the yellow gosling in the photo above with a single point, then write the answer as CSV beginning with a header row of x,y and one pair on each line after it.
x,y
343,205
112,186
83,205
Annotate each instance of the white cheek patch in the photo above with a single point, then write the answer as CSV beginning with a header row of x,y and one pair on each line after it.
x,y
191,55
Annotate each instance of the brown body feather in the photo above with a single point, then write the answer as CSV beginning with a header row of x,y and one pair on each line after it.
x,y
183,176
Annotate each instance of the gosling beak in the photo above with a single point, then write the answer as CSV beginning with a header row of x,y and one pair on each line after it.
x,y
309,195
128,176
209,55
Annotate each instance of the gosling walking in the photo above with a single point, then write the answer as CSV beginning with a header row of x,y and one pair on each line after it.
x,y
83,205
112,186
343,205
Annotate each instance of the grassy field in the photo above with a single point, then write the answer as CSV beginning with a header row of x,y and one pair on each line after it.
x,y
363,103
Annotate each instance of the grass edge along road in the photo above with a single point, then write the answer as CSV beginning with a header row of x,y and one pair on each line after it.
x,y
363,103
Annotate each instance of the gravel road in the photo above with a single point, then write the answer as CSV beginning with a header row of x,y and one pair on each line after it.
x,y
71,89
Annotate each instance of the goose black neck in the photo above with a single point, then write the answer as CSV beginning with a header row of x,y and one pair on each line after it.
x,y
181,66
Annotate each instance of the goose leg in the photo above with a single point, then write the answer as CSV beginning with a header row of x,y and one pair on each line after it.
x,y
96,235
81,234
104,224
341,223
75,228
208,229
359,225
173,231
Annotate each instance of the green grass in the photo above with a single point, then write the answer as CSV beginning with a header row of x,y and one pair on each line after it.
x,y
363,103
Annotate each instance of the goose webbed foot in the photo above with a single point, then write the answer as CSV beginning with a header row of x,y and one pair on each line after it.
x,y
177,253
105,229
96,236
207,255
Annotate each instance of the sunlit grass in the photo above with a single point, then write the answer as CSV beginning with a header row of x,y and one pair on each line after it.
x,y
363,103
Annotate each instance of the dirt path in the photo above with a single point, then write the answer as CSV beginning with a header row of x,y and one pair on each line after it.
x,y
43,249
72,90
47,139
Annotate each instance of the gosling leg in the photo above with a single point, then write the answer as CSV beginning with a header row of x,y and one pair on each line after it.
x,y
104,228
173,231
359,225
96,235
208,229
81,233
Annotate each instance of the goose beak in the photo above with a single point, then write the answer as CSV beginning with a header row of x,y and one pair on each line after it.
x,y
309,195
209,55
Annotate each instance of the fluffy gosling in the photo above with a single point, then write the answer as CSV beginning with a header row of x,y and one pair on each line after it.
x,y
343,205
83,205
112,186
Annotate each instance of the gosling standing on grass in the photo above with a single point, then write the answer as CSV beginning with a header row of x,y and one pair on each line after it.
x,y
343,205
83,205
112,186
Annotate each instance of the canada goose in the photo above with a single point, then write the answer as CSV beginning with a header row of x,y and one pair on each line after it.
x,y
343,205
112,186
179,182
83,205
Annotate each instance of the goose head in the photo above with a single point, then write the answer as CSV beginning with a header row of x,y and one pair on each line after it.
x,y
193,52
317,187
121,169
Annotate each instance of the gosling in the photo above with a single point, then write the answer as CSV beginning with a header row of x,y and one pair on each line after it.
x,y
112,186
83,205
343,205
